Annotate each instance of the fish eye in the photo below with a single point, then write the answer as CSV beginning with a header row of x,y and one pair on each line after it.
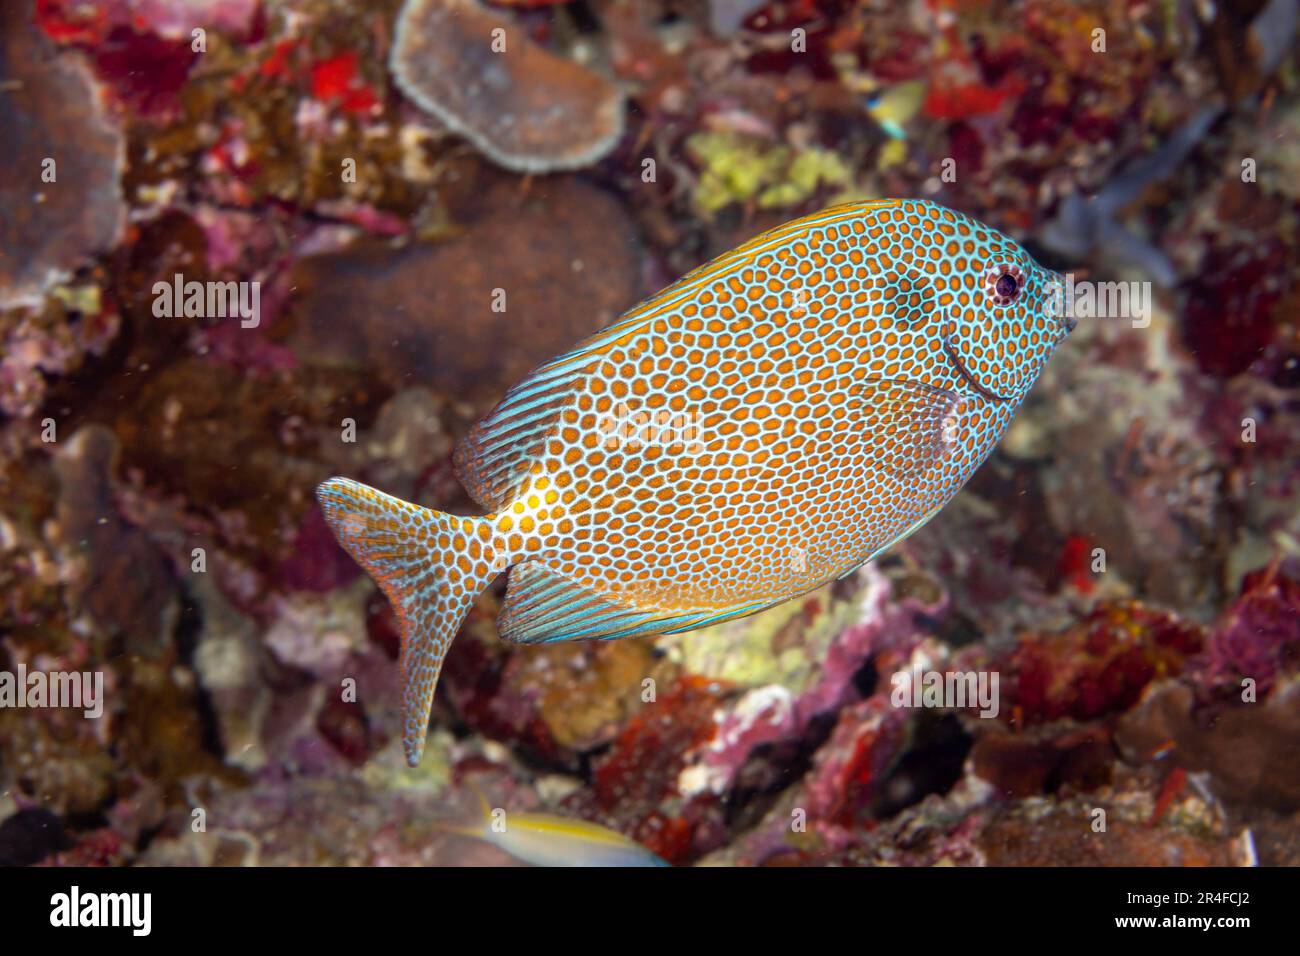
x,y
1004,284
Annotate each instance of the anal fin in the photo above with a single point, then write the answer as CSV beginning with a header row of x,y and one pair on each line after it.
x,y
543,606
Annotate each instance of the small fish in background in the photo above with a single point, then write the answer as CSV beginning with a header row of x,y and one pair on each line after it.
x,y
544,839
893,109
762,427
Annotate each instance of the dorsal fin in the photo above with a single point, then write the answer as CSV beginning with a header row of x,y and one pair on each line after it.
x,y
493,458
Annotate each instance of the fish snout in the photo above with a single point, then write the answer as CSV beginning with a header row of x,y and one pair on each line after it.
x,y
1059,305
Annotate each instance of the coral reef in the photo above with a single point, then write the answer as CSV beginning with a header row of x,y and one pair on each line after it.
x,y
522,106
60,178
1125,564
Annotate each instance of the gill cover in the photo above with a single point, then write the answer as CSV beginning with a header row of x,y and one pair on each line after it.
x,y
1002,339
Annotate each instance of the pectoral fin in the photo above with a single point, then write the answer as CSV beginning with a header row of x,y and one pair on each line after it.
x,y
909,425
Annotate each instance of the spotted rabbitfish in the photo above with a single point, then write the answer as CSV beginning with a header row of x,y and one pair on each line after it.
x,y
767,424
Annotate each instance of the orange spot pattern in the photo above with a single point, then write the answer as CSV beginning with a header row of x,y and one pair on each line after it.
x,y
811,400
769,422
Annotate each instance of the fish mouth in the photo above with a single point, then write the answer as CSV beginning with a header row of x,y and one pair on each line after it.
x,y
1066,323
1059,313
970,379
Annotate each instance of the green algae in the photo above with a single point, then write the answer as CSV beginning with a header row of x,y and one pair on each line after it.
x,y
741,169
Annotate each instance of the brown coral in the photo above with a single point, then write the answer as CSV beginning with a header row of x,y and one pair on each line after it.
x,y
52,126
523,107
561,257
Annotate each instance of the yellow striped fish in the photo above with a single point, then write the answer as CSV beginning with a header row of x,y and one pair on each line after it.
x,y
544,839
765,425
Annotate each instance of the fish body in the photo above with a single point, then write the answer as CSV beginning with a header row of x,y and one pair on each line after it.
x,y
544,839
765,425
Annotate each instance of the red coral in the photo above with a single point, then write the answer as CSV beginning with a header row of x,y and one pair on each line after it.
x,y
783,18
145,71
1259,635
667,837
967,99
850,766
333,77
635,783
1075,564
645,759
67,21
1100,666
336,80
276,66
1232,313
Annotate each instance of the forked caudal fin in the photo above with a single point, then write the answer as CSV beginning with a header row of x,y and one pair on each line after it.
x,y
430,565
